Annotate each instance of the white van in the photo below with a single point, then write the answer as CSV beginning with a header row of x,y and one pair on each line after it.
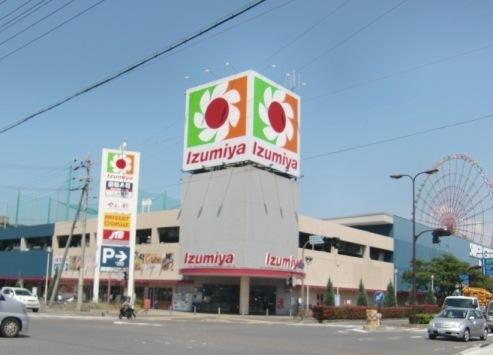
x,y
461,302
23,296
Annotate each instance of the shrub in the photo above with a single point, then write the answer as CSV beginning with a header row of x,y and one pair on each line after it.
x,y
362,299
329,294
322,313
422,318
389,300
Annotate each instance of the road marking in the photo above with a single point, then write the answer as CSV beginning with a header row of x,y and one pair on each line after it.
x,y
359,330
139,324
416,337
343,331
365,339
393,338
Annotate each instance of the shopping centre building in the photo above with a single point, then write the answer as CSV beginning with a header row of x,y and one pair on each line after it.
x,y
238,243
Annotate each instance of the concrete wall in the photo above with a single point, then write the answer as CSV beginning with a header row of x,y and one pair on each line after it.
x,y
346,271
146,270
245,211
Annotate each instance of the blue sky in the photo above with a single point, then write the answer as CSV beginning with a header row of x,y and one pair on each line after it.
x,y
147,106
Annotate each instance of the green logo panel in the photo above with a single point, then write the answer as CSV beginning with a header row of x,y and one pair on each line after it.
x,y
193,103
259,88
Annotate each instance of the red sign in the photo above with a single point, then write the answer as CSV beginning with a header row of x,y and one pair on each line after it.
x,y
115,236
213,259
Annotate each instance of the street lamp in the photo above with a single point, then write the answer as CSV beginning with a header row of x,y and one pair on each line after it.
x,y
413,261
396,273
48,251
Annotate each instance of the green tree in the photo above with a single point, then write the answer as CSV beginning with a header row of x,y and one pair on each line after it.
x,y
329,294
362,299
389,300
446,269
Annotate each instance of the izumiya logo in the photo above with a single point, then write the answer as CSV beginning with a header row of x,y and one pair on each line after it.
x,y
120,164
275,117
217,113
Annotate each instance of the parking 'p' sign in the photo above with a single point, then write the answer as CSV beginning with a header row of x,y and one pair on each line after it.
x,y
114,257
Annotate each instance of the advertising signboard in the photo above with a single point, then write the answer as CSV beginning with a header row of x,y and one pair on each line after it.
x,y
245,117
117,215
114,257
488,266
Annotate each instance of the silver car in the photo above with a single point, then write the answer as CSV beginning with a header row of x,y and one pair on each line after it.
x,y
460,323
489,316
13,317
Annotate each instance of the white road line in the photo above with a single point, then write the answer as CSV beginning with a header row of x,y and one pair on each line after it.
x,y
343,331
358,330
365,339
416,337
393,338
139,324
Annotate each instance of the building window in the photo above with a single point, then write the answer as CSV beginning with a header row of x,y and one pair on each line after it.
x,y
351,249
304,237
74,243
143,236
38,243
381,255
169,234
10,245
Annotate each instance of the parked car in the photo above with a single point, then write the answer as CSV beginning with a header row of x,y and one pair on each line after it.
x,y
22,295
461,302
13,317
489,316
460,323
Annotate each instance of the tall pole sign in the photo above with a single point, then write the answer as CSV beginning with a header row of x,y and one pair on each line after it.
x,y
117,216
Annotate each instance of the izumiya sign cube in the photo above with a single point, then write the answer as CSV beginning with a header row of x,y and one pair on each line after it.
x,y
245,117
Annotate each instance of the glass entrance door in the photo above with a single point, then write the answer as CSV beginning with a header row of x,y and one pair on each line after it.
x,y
262,298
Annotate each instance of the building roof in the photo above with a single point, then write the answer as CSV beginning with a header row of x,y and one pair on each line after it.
x,y
368,219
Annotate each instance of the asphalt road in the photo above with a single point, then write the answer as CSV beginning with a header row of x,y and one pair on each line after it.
x,y
74,336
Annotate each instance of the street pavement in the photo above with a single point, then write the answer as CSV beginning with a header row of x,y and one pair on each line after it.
x,y
213,334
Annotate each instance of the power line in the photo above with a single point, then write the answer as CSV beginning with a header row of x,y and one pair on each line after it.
x,y
38,6
36,22
303,33
353,34
400,72
14,10
31,167
132,67
392,139
50,31
28,188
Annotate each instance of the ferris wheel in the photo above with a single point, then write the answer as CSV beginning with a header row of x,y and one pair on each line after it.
x,y
459,197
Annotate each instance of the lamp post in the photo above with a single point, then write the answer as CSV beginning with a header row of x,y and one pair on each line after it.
x,y
432,284
48,251
414,237
396,272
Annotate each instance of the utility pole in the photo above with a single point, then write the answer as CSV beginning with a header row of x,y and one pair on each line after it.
x,y
85,191
67,246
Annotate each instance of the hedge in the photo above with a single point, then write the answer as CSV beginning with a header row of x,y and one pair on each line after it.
x,y
322,313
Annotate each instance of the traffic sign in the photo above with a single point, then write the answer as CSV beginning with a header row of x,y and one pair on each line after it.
x,y
464,279
379,296
114,258
316,240
488,266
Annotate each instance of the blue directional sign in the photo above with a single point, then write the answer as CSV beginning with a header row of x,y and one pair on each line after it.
x,y
114,257
488,266
379,296
464,279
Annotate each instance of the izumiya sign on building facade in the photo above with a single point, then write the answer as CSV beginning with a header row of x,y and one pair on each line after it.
x,y
245,117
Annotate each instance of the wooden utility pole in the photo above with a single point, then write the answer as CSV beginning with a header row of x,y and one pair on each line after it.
x,y
69,240
85,190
